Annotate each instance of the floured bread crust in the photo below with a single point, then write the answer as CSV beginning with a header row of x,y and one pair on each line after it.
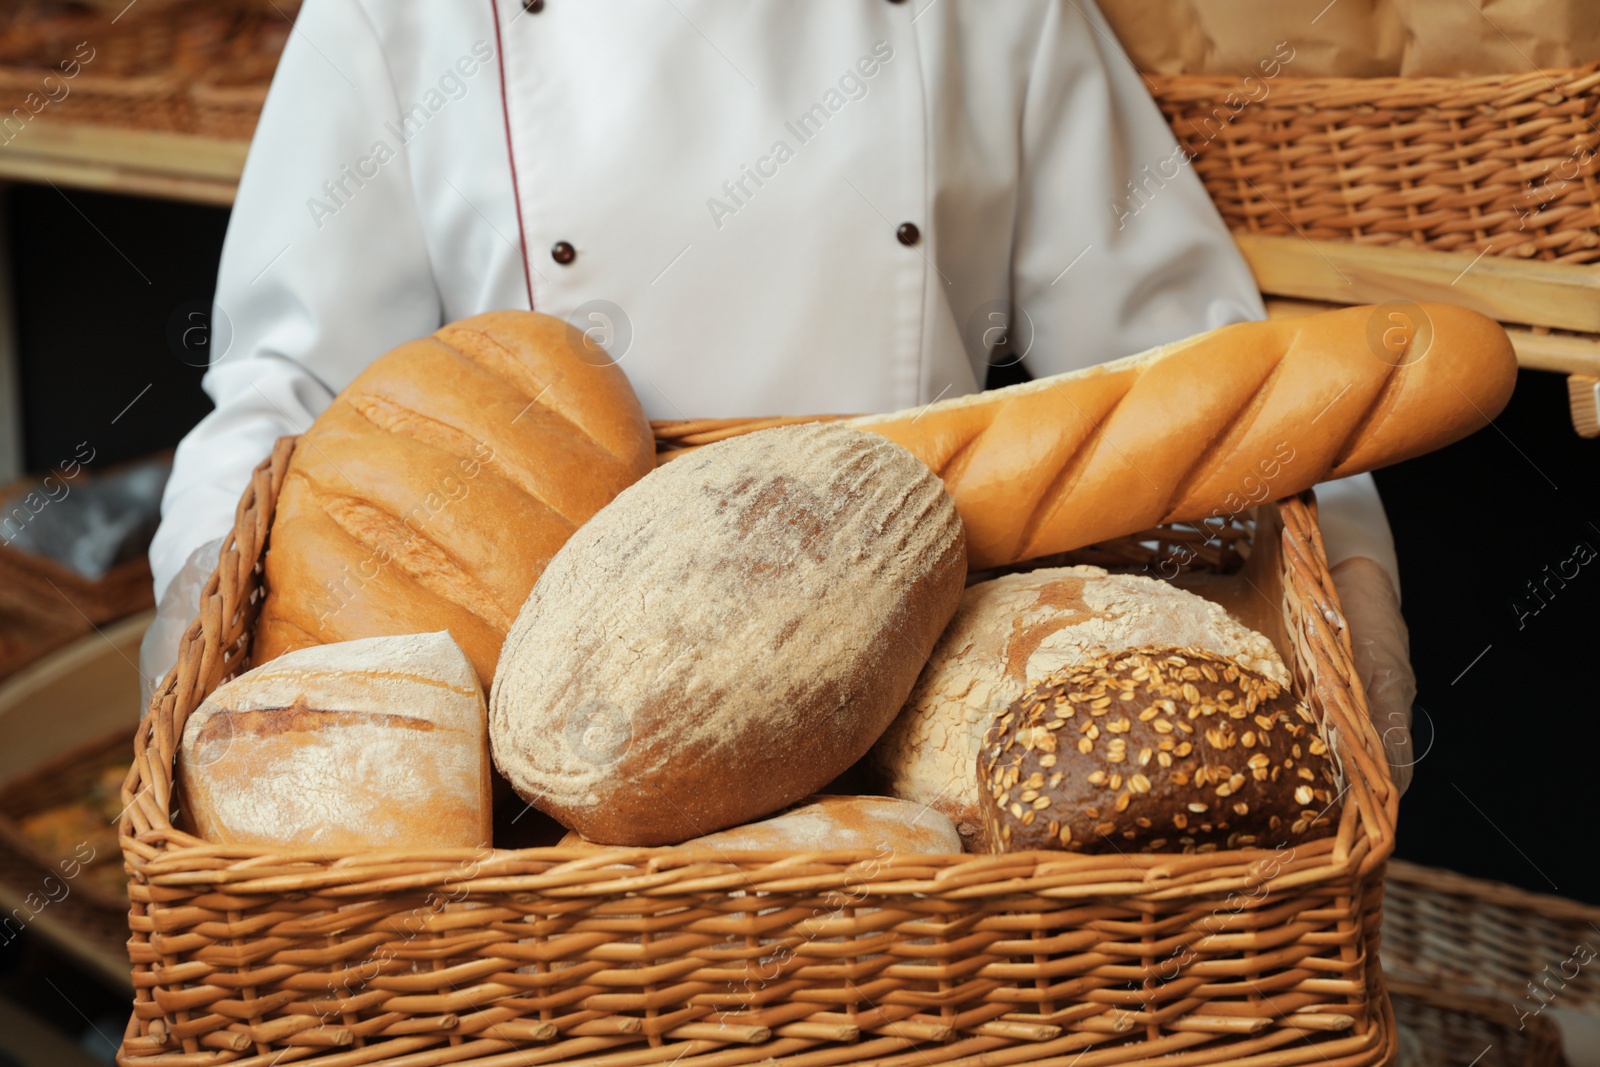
x,y
380,742
728,635
1015,630
824,823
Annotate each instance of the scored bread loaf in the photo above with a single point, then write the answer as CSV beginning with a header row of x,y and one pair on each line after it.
x,y
1015,630
434,489
727,636
1193,430
1155,750
378,742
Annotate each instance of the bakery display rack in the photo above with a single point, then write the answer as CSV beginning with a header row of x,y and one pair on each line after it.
x,y
94,684
155,100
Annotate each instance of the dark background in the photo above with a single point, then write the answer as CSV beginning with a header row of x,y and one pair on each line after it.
x,y
1473,523
97,280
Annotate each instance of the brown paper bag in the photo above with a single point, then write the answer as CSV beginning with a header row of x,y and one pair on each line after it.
x,y
1356,38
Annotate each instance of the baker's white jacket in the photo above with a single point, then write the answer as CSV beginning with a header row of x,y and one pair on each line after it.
x,y
762,207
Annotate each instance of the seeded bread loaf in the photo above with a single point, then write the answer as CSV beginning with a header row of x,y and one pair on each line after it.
x,y
1015,630
434,489
378,742
1152,750
726,636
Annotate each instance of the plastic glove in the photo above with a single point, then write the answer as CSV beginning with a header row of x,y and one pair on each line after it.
x,y
179,605
1382,646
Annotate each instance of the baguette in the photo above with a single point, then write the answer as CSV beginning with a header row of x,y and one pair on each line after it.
x,y
1199,429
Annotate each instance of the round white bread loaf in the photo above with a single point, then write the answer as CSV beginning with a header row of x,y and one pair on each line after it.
x,y
727,635
1017,629
369,743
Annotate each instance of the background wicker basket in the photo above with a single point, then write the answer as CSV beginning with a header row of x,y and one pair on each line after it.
x,y
1501,164
176,66
1442,1027
632,956
1525,950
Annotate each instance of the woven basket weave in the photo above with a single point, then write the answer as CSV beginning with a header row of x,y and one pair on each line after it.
x,y
1474,964
173,66
256,956
1448,1027
1502,164
1527,950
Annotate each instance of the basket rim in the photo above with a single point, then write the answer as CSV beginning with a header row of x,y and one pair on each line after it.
x,y
1444,881
1585,76
161,853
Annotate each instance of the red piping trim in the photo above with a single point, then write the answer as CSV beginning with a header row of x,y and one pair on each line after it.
x,y
511,156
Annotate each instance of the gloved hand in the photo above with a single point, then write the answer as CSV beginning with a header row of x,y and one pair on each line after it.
x,y
158,653
1382,648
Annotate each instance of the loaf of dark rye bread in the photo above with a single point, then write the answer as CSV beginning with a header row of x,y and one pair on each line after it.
x,y
1018,629
1152,750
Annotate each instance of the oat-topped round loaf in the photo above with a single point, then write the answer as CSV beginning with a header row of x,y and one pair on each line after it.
x,y
1017,629
727,635
1156,750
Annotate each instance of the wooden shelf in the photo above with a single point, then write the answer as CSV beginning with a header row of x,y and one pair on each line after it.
x,y
1563,353
173,166
1531,292
1525,293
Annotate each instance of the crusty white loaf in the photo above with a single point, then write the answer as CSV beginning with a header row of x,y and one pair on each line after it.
x,y
727,636
827,823
1015,630
377,742
824,823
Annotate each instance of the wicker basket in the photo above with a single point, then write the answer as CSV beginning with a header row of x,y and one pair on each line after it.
x,y
253,956
1450,1028
1528,950
225,110
1503,164
173,66
1473,964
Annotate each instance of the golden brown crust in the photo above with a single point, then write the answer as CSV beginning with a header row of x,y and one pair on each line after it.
x,y
1191,430
436,487
1152,750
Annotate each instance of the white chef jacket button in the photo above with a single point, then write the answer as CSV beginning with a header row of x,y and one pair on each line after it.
x,y
533,7
908,233
563,252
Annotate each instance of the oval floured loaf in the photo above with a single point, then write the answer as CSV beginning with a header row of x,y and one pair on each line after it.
x,y
1013,631
726,636
377,742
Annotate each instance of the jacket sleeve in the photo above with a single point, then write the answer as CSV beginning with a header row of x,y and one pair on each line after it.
x,y
324,267
1118,246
